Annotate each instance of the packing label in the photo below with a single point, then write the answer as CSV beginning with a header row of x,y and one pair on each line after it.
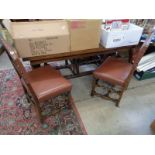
x,y
78,24
41,46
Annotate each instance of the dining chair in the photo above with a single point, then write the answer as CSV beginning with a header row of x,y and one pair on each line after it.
x,y
40,84
114,74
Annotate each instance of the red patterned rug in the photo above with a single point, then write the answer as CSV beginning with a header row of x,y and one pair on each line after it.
x,y
18,117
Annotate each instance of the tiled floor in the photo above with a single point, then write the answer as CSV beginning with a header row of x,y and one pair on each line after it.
x,y
136,112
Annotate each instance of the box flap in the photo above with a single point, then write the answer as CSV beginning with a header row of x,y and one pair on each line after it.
x,y
37,29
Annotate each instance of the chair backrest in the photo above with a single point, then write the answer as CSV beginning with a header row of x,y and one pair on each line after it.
x,y
15,60
138,53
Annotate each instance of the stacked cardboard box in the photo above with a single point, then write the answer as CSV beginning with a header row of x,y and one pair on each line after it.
x,y
6,35
84,34
40,38
48,37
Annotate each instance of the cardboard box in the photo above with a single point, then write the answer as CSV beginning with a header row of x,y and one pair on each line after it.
x,y
117,24
84,34
6,35
40,38
7,24
118,38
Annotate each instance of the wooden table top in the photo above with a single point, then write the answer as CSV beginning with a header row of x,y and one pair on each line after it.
x,y
76,54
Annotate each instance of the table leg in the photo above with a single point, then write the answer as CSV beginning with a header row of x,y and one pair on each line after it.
x,y
66,62
73,66
130,55
77,66
34,65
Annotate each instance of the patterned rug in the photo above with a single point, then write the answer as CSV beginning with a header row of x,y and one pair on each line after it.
x,y
18,117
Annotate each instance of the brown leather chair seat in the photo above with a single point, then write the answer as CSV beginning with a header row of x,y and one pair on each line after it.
x,y
117,71
47,82
114,70
40,84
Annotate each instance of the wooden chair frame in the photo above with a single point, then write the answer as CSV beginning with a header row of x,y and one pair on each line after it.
x,y
137,54
30,94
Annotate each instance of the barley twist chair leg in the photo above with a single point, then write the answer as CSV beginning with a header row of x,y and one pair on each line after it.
x,y
120,96
38,110
69,100
27,94
94,83
107,95
36,104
